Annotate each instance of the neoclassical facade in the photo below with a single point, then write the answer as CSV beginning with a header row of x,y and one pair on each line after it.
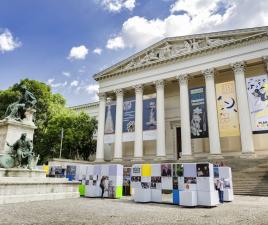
x,y
202,90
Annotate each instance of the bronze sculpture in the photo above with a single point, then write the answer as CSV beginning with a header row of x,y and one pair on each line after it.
x,y
17,109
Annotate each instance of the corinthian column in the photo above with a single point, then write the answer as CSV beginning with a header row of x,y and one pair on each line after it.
x,y
213,127
118,125
185,117
160,107
243,110
138,145
101,122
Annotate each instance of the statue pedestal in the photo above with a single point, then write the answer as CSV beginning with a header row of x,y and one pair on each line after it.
x,y
11,130
23,185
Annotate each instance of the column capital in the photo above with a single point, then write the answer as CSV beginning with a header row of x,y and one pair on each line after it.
x,y
159,84
138,88
265,60
238,66
183,78
208,73
102,96
119,92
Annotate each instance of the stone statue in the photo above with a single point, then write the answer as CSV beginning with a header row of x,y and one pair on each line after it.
x,y
17,109
22,152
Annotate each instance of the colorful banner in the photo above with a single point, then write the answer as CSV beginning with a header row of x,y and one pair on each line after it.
x,y
227,109
129,115
198,113
257,88
149,114
110,111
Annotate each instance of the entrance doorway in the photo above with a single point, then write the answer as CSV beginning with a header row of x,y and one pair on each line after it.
x,y
178,137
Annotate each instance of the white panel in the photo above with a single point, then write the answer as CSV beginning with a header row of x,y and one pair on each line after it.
x,y
228,195
142,195
156,170
188,198
205,184
156,195
206,198
225,172
167,183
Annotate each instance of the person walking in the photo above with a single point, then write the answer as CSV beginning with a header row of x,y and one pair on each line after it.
x,y
220,189
102,185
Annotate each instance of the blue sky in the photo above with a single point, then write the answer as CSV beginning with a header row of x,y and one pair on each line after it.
x,y
65,42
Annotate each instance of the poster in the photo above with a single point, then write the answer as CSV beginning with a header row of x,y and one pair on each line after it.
x,y
198,113
110,112
227,109
129,115
149,114
257,88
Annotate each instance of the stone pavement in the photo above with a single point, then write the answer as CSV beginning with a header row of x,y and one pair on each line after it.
x,y
244,210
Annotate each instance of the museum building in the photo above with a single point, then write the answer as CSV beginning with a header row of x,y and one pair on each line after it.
x,y
187,97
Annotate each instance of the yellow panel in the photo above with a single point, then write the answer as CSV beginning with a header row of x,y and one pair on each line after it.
x,y
146,170
45,168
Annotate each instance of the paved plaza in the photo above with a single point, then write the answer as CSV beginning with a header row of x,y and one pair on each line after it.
x,y
244,210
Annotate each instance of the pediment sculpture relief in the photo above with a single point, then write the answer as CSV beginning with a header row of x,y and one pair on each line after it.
x,y
173,50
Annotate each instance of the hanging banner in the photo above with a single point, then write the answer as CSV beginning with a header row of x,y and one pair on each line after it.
x,y
129,115
257,88
227,109
110,111
149,114
198,113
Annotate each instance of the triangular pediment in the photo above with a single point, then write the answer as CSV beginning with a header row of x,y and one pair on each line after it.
x,y
178,47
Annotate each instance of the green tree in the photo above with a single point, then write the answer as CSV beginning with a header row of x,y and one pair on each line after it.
x,y
51,116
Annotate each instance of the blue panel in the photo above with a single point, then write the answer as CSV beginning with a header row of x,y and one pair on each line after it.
x,y
176,197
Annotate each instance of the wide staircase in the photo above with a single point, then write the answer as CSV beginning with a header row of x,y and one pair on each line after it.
x,y
250,176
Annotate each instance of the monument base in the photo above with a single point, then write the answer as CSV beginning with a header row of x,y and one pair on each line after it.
x,y
22,185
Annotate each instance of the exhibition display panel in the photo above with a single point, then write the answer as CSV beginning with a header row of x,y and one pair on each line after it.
x,y
90,177
186,184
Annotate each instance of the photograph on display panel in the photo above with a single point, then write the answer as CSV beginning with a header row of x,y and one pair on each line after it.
x,y
198,113
149,114
166,170
257,88
202,169
177,170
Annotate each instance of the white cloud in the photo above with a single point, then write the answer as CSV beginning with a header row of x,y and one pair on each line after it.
x,y
92,90
189,17
51,83
74,83
117,5
115,43
66,74
79,52
97,51
7,42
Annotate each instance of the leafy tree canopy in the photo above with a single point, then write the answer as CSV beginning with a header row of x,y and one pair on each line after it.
x,y
51,117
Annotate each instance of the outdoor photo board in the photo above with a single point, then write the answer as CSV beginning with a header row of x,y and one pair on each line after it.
x,y
90,176
186,184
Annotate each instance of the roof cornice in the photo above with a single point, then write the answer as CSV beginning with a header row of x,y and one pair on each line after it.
x,y
262,32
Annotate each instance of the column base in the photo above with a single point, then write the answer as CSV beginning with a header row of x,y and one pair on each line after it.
x,y
248,155
187,157
99,161
160,158
137,159
117,160
215,156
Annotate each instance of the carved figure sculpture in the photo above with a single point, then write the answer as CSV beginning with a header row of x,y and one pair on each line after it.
x,y
17,109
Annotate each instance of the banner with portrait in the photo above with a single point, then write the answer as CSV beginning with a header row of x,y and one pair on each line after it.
x,y
149,114
227,109
129,115
110,112
257,88
198,112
